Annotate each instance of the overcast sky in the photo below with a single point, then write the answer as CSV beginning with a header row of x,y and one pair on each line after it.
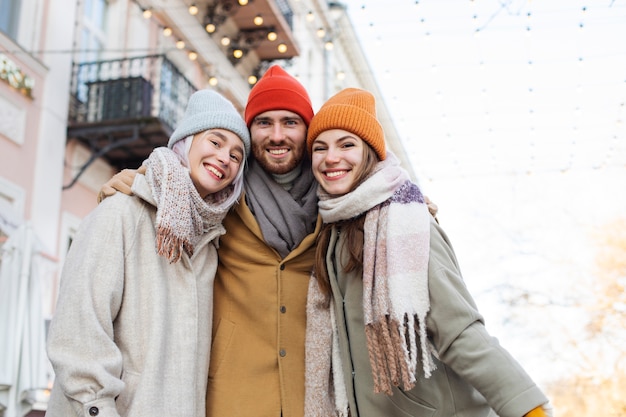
x,y
513,114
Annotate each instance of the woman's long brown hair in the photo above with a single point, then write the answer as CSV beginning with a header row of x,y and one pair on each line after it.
x,y
351,229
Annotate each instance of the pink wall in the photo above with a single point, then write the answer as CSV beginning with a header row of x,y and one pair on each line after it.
x,y
78,200
17,160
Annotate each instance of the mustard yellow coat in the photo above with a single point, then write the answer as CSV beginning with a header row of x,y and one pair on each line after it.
x,y
259,321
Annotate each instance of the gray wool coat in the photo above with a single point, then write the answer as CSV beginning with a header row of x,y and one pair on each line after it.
x,y
475,376
131,334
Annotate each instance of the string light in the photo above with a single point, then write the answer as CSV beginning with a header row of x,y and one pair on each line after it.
x,y
533,62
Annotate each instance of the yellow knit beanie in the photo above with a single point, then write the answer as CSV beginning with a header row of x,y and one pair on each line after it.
x,y
353,110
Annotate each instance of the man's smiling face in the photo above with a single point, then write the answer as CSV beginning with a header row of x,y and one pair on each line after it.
x,y
278,140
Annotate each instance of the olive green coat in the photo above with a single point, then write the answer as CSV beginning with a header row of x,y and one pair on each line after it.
x,y
474,374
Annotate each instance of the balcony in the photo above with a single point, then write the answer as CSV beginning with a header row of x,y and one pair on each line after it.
x,y
276,15
122,109
264,27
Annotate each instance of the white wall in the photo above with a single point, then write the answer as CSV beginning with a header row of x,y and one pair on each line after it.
x,y
45,210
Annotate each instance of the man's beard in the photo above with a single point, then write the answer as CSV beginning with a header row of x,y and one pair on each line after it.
x,y
279,167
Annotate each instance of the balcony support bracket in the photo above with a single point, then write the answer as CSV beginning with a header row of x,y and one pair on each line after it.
x,y
113,141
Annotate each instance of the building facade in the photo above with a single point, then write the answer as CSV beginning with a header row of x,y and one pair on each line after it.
x,y
89,87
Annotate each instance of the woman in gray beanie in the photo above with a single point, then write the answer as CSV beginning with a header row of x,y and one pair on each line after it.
x,y
131,334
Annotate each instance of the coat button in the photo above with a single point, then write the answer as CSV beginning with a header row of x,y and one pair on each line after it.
x,y
283,309
282,267
282,353
93,411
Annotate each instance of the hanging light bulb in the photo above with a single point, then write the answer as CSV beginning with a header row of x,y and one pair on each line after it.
x,y
167,31
192,55
258,20
210,28
310,16
252,79
320,33
272,36
213,81
180,44
243,2
237,53
282,48
147,14
225,41
193,9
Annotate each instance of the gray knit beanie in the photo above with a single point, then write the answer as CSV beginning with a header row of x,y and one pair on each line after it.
x,y
208,109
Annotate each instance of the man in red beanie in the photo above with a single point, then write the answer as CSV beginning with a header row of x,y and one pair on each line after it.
x,y
265,261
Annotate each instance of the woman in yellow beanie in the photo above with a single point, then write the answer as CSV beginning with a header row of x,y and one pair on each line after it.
x,y
405,336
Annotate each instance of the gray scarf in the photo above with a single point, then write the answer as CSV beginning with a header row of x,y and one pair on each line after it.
x,y
285,217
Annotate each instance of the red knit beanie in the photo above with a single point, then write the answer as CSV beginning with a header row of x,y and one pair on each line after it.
x,y
277,90
352,110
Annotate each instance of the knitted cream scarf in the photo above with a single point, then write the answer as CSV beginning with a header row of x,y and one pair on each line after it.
x,y
395,289
182,215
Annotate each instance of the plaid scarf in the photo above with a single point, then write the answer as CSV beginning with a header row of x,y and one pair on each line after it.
x,y
395,290
182,215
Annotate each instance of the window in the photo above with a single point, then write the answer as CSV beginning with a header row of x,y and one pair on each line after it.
x,y
12,199
9,16
91,38
11,205
92,31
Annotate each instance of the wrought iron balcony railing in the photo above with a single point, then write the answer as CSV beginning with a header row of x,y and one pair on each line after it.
x,y
122,109
130,88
